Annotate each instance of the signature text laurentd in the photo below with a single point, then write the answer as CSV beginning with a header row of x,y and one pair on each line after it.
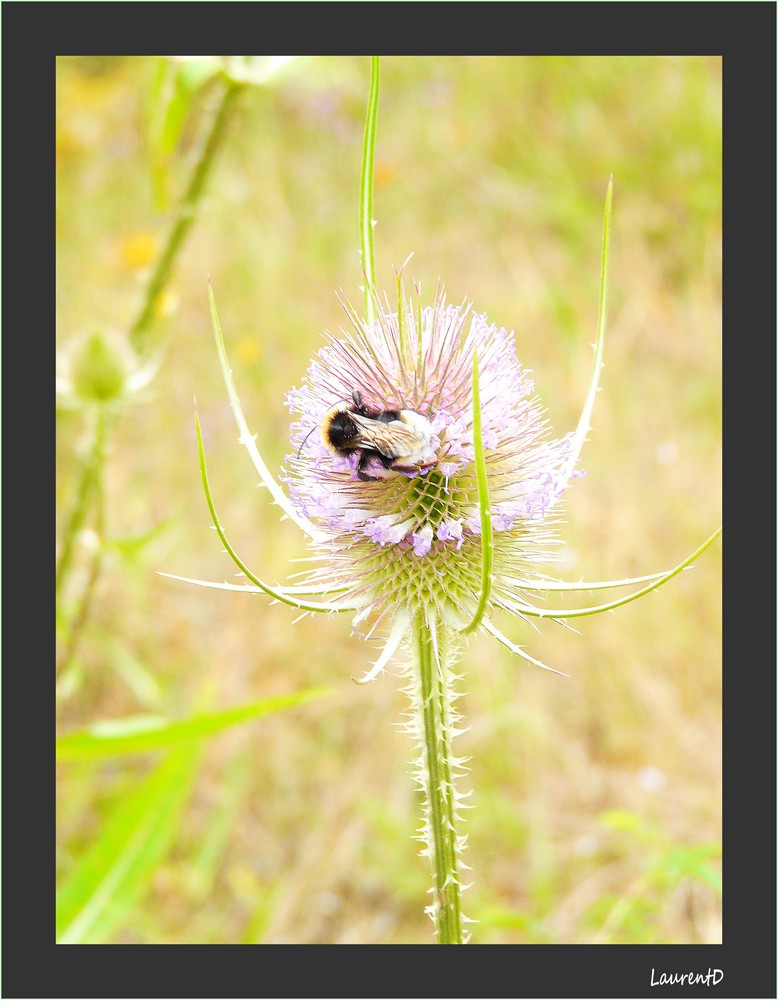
x,y
710,978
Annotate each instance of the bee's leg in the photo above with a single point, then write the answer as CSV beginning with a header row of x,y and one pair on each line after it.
x,y
410,470
364,460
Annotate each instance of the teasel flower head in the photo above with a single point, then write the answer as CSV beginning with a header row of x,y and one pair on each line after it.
x,y
409,542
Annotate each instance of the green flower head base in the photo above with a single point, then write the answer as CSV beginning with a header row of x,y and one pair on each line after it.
x,y
400,540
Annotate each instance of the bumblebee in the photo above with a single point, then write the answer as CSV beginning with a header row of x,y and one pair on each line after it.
x,y
385,441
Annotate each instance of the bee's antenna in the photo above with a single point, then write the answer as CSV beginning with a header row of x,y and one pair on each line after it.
x,y
304,440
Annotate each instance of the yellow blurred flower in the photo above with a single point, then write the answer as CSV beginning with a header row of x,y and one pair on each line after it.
x,y
139,249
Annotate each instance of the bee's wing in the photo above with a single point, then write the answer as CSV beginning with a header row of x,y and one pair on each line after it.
x,y
392,439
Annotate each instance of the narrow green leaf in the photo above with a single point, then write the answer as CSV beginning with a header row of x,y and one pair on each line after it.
x,y
584,421
270,591
246,437
366,191
139,734
484,507
658,581
115,871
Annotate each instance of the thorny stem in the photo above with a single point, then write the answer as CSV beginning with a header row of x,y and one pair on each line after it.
x,y
434,712
187,212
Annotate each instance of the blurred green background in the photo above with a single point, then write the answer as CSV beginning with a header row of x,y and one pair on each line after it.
x,y
597,799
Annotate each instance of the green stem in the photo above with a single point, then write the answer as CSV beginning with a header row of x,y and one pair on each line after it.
x,y
433,685
366,192
187,212
85,602
88,487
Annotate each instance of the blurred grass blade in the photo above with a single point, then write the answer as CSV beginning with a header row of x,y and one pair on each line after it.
x,y
137,734
115,871
219,824
130,546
